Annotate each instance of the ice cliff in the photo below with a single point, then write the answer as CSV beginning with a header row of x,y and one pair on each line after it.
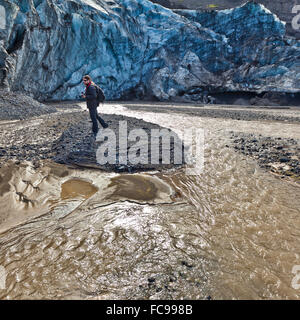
x,y
137,49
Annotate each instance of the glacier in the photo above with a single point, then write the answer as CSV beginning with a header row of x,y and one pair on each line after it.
x,y
136,49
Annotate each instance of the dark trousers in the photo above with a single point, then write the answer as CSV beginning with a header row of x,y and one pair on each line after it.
x,y
94,117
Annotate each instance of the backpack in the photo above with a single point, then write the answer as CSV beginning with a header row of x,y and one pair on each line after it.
x,y
100,94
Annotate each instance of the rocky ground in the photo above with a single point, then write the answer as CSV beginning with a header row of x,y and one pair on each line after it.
x,y
278,155
66,137
228,113
82,150
266,99
32,139
18,106
167,286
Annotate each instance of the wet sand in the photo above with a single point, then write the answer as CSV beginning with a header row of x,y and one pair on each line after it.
x,y
230,232
66,137
27,146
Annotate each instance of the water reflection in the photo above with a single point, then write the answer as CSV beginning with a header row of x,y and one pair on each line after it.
x,y
231,232
76,188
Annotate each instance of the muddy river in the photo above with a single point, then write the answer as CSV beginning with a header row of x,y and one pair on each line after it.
x,y
230,232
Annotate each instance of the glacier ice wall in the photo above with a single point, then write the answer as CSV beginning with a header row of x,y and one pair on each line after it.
x,y
137,49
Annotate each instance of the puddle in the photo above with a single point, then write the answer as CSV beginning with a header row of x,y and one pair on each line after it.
x,y
139,187
77,188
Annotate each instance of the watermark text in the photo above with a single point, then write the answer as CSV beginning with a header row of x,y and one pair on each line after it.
x,y
152,146
2,278
296,18
2,17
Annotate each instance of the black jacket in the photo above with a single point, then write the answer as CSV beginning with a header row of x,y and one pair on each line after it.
x,y
91,96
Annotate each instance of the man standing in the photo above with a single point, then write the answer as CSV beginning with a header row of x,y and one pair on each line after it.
x,y
91,101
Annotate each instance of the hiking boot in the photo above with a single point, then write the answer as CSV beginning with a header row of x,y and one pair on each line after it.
x,y
105,126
